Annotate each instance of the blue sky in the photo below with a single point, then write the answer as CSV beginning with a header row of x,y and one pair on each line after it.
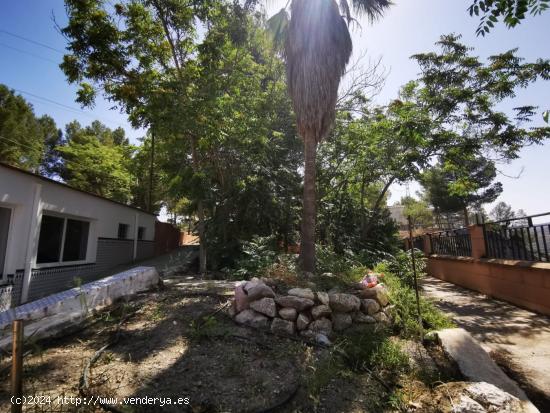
x,y
409,27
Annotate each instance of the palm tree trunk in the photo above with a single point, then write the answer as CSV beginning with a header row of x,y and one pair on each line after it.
x,y
309,211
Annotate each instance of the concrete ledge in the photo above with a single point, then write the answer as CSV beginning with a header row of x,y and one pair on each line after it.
x,y
78,301
476,365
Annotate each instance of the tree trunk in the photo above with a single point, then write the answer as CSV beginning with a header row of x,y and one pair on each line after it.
x,y
200,213
202,239
309,210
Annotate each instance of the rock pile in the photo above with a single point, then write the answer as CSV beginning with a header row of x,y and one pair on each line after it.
x,y
313,315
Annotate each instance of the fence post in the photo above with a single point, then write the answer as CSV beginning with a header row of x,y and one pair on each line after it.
x,y
17,366
478,241
427,244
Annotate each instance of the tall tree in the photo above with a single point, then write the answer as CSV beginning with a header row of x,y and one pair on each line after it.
x,y
452,189
97,159
140,54
25,139
317,49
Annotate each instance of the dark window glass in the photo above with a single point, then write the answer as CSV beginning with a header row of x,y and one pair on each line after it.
x,y
49,242
76,240
122,231
141,232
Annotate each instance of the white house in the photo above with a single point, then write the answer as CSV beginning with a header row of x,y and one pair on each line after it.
x,y
53,237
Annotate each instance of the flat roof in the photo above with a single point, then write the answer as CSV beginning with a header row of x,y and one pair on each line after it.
x,y
43,178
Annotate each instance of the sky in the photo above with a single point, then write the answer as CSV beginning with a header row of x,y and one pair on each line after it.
x,y
409,27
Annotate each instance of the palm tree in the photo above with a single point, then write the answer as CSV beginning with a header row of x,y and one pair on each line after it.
x,y
317,49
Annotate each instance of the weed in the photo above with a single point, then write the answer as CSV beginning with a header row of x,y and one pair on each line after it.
x,y
206,328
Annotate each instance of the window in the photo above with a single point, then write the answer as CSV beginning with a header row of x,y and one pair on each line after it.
x,y
76,240
141,233
62,240
122,231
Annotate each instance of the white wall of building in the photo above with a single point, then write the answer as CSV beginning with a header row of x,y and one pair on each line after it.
x,y
18,191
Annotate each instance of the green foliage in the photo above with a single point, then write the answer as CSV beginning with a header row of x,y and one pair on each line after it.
x,y
399,279
511,12
96,159
418,210
256,256
26,141
369,349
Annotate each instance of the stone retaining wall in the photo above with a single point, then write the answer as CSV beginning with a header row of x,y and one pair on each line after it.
x,y
311,314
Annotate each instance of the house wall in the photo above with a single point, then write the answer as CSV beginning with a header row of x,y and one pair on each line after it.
x,y
19,191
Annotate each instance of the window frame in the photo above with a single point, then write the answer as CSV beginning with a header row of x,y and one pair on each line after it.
x,y
126,231
143,232
60,262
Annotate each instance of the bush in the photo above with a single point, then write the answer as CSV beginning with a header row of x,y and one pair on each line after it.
x,y
398,277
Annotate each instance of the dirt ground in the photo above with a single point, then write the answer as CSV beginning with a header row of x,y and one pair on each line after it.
x,y
177,342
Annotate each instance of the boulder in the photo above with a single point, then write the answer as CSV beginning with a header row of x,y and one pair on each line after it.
x,y
283,327
252,319
302,292
378,293
298,303
317,337
288,313
303,321
241,298
265,306
322,297
359,317
258,290
323,326
320,311
341,321
344,303
370,306
381,317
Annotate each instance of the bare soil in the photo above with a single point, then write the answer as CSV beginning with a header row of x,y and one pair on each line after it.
x,y
178,342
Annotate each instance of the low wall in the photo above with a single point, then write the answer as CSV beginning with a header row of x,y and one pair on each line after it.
x,y
524,283
79,301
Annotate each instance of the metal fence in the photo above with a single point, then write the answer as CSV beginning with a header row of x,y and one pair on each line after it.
x,y
519,238
455,242
418,243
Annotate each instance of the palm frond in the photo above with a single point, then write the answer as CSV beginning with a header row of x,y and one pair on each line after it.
x,y
373,9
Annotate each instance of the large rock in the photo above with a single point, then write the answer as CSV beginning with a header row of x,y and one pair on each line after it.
x,y
288,313
302,292
322,297
298,303
320,311
265,306
283,327
252,319
381,317
341,321
258,290
323,326
370,306
344,302
303,321
359,317
241,298
378,293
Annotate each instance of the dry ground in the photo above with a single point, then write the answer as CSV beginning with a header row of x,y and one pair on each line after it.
x,y
178,342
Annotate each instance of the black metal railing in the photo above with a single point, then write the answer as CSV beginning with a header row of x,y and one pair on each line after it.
x,y
519,238
454,242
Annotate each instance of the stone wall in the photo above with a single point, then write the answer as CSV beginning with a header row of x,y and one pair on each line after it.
x,y
311,314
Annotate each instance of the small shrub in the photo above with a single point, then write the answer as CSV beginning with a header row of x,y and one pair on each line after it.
x,y
398,276
367,349
256,256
